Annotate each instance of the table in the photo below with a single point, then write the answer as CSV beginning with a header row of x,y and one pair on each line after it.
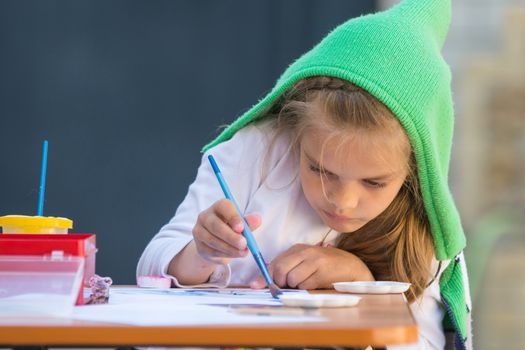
x,y
377,320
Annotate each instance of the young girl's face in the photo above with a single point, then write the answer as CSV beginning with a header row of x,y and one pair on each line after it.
x,y
350,179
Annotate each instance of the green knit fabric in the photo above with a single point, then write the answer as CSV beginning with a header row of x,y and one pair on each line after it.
x,y
396,56
451,288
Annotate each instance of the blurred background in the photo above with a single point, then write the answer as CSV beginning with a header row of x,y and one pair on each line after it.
x,y
127,92
485,48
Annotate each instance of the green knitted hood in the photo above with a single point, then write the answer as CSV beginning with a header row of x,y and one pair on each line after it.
x,y
396,56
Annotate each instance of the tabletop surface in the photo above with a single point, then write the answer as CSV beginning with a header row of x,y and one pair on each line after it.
x,y
377,320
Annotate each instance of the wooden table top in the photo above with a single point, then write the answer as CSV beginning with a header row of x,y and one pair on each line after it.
x,y
377,320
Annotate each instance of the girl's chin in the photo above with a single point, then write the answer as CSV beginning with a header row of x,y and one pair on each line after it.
x,y
346,228
350,225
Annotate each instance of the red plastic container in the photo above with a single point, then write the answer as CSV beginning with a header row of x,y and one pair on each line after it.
x,y
75,244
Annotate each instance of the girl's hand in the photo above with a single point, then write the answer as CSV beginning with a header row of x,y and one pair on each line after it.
x,y
218,233
306,266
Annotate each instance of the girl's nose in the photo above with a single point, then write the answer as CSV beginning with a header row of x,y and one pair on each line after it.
x,y
344,197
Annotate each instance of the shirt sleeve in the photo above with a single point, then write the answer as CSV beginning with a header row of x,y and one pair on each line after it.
x,y
428,312
239,160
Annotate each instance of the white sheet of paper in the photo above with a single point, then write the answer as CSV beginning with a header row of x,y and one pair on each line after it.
x,y
189,307
199,296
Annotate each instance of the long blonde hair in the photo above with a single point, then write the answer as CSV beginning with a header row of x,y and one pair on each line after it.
x,y
397,244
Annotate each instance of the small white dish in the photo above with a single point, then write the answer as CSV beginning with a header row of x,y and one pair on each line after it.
x,y
319,300
376,287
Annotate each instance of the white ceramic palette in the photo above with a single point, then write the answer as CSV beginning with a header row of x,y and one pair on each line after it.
x,y
376,287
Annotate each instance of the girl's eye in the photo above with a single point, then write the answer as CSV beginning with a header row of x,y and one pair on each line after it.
x,y
315,169
374,184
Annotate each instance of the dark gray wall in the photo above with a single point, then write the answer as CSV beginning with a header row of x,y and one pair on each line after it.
x,y
127,92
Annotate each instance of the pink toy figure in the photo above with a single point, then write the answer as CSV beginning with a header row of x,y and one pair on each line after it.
x,y
99,289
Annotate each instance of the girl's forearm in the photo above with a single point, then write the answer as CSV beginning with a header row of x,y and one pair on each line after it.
x,y
189,268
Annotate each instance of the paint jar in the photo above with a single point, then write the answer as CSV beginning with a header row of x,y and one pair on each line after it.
x,y
35,224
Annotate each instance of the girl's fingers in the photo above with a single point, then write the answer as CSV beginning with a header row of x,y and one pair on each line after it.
x,y
302,275
213,221
226,210
229,223
282,266
216,246
223,249
310,283
219,229
253,220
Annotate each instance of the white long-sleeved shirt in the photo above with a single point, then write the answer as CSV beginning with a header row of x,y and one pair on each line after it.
x,y
287,219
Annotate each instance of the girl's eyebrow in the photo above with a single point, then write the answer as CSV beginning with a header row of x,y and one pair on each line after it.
x,y
375,178
313,161
381,177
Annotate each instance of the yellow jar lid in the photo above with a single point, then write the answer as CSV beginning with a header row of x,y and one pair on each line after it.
x,y
41,221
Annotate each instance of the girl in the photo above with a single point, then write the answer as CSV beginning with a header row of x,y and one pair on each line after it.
x,y
341,171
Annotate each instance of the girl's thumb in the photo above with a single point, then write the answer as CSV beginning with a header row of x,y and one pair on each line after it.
x,y
253,220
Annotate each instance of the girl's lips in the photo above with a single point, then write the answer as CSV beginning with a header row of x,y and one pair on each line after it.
x,y
337,217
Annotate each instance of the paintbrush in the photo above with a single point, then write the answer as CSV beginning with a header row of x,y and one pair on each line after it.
x,y
247,233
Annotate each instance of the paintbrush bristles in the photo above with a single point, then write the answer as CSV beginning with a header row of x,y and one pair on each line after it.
x,y
274,290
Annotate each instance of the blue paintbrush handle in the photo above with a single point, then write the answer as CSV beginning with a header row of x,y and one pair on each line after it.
x,y
42,190
247,233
